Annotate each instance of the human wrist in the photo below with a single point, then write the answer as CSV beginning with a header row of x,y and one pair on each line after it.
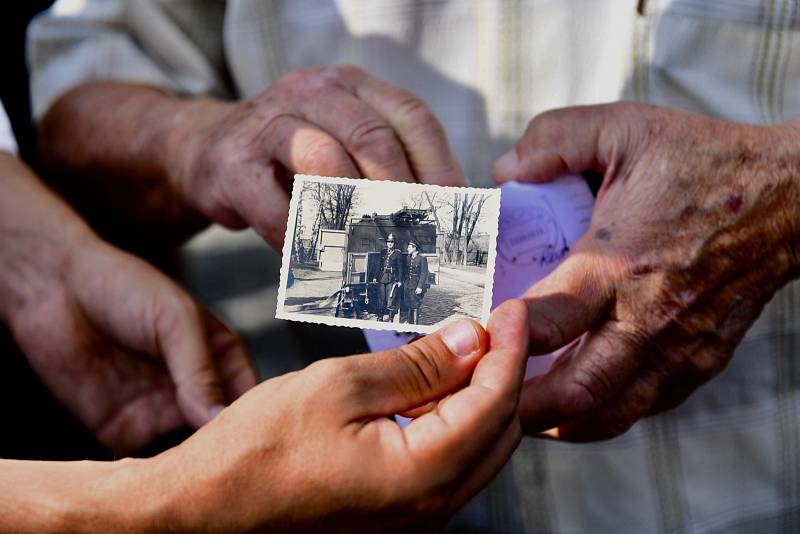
x,y
104,502
190,130
39,235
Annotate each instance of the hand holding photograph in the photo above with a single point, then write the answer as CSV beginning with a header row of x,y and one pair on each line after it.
x,y
387,255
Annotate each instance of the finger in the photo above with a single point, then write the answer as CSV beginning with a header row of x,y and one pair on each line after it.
x,y
583,380
674,394
298,147
422,135
168,326
571,139
421,410
488,467
182,340
399,380
618,414
571,300
140,421
473,478
304,148
701,366
366,135
263,203
232,359
465,427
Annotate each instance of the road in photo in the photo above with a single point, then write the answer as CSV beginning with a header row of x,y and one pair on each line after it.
x,y
313,291
458,294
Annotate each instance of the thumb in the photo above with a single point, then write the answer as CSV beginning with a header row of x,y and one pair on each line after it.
x,y
410,376
571,300
573,139
184,345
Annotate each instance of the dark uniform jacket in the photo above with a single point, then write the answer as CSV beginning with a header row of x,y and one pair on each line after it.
x,y
390,266
416,276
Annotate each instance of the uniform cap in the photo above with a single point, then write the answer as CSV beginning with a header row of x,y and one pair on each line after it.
x,y
413,242
390,238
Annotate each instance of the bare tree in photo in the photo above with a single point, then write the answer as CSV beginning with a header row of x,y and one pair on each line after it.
x,y
334,202
465,213
472,221
433,203
456,215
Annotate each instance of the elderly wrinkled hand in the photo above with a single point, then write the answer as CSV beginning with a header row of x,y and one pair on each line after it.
x,y
234,161
127,351
694,229
122,346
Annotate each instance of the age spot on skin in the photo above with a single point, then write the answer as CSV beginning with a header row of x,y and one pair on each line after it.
x,y
603,234
734,202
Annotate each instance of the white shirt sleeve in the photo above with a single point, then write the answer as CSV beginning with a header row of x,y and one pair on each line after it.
x,y
139,41
7,141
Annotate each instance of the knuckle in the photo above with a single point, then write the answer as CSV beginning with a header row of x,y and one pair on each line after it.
x,y
637,337
325,369
373,136
623,415
546,328
424,372
292,81
544,129
547,119
306,83
590,385
706,364
635,108
225,340
348,70
418,115
273,125
618,422
671,310
320,377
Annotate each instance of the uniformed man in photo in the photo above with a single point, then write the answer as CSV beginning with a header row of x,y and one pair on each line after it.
x,y
415,281
389,279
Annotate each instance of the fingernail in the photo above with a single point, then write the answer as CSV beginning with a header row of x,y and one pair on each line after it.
x,y
215,410
461,338
506,166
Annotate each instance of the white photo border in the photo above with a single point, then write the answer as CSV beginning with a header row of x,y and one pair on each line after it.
x,y
488,285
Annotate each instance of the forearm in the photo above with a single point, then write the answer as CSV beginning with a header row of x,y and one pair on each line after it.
x,y
116,150
37,233
91,497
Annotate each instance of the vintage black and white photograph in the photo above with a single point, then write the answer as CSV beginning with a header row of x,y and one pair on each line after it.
x,y
387,255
